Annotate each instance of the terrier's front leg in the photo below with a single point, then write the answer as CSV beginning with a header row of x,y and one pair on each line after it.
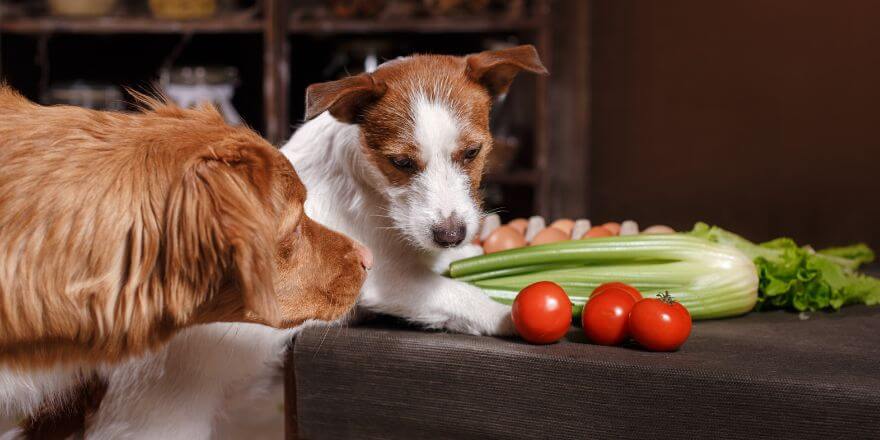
x,y
439,302
482,315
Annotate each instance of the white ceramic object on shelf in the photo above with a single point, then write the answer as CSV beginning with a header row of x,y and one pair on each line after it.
x,y
191,86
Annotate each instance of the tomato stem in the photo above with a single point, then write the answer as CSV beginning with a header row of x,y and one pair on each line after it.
x,y
666,297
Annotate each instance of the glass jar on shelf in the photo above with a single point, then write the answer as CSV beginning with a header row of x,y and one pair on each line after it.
x,y
189,86
88,94
183,9
81,8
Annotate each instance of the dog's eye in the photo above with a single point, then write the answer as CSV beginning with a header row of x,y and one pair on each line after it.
x,y
471,153
403,163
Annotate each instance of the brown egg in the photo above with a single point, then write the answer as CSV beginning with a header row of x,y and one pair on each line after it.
x,y
504,238
658,229
489,224
596,232
614,227
564,225
520,224
549,235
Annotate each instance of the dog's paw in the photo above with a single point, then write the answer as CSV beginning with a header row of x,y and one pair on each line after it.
x,y
492,320
504,325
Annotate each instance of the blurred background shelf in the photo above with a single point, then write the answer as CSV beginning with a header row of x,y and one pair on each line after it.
x,y
232,23
279,47
416,26
516,177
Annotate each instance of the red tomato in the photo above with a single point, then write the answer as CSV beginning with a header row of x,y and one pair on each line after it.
x,y
617,285
659,324
605,315
542,313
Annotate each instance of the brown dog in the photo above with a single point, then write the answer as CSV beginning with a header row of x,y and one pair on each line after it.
x,y
116,230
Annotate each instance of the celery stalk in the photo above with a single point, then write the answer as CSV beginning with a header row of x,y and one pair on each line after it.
x,y
509,271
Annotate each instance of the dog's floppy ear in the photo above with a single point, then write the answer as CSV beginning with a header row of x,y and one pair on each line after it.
x,y
496,69
220,226
344,98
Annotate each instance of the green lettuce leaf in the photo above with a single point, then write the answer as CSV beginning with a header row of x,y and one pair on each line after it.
x,y
850,256
800,278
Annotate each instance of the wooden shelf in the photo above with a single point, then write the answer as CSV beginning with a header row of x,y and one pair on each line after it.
x,y
410,25
277,26
130,25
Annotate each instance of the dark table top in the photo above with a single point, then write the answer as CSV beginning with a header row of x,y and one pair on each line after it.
x,y
769,374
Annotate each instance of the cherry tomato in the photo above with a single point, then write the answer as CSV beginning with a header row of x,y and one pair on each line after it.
x,y
659,324
542,312
617,285
605,316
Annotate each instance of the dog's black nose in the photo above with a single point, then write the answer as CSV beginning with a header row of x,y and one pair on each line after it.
x,y
450,232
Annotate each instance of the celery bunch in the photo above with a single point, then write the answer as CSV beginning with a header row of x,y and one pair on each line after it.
x,y
712,280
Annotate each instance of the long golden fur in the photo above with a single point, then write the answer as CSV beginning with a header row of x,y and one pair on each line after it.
x,y
116,230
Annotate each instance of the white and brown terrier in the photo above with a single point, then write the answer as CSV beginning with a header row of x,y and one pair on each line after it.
x,y
392,158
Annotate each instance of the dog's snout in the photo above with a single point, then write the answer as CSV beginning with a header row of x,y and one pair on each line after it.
x,y
365,255
450,232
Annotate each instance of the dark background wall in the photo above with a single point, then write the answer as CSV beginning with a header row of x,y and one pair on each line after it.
x,y
761,116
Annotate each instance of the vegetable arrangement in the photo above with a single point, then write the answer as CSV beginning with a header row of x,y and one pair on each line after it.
x,y
711,280
714,273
